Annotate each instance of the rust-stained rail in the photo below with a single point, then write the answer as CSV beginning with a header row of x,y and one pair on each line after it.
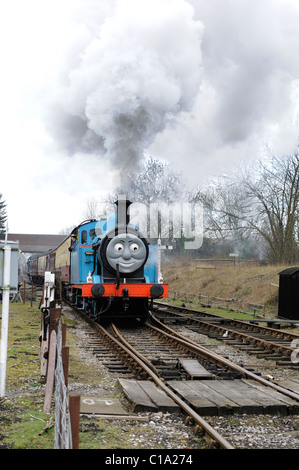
x,y
150,370
220,440
212,324
229,364
195,416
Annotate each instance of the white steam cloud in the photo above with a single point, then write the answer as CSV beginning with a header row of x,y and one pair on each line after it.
x,y
198,83
140,70
249,92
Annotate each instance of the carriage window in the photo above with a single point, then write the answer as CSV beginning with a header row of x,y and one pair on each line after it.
x,y
83,236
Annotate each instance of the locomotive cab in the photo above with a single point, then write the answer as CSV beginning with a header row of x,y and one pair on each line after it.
x,y
83,256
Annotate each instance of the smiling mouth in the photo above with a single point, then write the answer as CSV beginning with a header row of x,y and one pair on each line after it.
x,y
126,265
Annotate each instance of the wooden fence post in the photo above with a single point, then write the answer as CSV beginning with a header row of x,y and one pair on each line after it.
x,y
74,408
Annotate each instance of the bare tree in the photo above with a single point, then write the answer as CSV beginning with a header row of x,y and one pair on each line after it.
x,y
255,209
3,216
273,195
225,223
260,205
92,209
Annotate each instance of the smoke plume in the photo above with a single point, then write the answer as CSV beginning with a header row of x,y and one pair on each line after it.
x,y
140,70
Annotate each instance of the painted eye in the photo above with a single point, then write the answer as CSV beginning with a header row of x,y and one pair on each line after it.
x,y
119,248
134,247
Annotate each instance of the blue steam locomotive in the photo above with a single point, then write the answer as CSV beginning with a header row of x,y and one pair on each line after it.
x,y
107,268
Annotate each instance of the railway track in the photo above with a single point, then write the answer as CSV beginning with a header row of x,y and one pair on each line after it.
x,y
266,342
164,352
155,352
133,364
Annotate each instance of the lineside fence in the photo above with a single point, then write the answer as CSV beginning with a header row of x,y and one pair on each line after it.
x,y
215,263
54,363
28,293
235,305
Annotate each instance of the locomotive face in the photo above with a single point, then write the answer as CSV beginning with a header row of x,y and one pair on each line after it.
x,y
128,251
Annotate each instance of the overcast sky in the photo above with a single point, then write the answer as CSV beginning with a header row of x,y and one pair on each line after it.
x,y
89,88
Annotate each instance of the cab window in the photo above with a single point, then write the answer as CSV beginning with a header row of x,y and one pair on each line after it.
x,y
83,237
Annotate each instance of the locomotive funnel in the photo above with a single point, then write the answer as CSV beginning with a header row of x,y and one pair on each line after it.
x,y
122,217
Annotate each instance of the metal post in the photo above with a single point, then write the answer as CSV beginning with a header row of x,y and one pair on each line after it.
x,y
5,316
160,276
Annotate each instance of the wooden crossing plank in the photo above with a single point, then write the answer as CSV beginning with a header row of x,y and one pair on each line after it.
x,y
145,395
194,368
264,396
291,384
135,394
278,399
246,404
226,396
201,404
210,397
158,396
206,388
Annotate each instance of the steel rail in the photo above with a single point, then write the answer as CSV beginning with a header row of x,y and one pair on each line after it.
x,y
269,345
203,351
128,345
242,323
195,416
228,363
